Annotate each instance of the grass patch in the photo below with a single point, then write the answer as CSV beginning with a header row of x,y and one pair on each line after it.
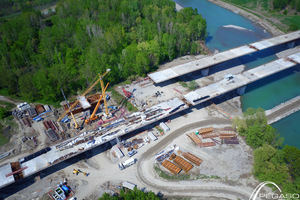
x,y
159,129
191,85
183,84
8,106
119,98
166,176
3,139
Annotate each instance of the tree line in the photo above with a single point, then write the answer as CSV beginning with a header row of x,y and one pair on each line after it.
x,y
281,4
39,55
272,161
134,194
13,6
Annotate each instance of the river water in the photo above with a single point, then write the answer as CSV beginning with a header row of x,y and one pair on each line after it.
x,y
266,93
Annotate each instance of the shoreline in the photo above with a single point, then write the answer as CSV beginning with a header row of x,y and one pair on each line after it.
x,y
256,20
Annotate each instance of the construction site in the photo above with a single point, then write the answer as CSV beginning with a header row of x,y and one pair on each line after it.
x,y
120,139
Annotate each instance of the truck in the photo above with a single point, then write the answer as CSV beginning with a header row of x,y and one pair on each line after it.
x,y
127,163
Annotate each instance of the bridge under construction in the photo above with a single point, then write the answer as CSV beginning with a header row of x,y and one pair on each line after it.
x,y
203,64
52,155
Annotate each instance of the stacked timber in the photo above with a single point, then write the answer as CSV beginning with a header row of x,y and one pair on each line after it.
x,y
183,164
192,158
171,167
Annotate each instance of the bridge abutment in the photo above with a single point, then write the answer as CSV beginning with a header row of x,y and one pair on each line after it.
x,y
241,90
205,72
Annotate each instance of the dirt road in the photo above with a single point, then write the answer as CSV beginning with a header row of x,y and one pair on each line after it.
x,y
186,188
6,99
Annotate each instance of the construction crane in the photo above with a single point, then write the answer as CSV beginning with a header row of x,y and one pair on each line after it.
x,y
77,171
94,116
83,94
75,123
103,91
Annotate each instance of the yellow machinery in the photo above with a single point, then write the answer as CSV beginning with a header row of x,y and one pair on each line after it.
x,y
75,123
85,92
103,91
94,116
77,171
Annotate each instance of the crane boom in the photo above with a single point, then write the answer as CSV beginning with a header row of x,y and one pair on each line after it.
x,y
92,118
83,94
76,125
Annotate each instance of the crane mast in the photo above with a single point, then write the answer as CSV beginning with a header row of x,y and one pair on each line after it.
x,y
76,125
84,93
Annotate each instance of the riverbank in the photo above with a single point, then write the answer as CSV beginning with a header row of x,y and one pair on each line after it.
x,y
258,21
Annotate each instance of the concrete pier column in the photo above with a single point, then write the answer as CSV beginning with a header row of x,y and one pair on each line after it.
x,y
205,72
291,44
241,90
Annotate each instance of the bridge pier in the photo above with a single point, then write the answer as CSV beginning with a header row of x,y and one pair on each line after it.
x,y
291,44
241,90
205,72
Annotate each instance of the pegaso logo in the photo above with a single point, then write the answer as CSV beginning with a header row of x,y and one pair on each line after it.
x,y
256,195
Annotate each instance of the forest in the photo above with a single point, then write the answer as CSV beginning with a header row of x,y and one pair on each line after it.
x,y
134,194
284,14
39,55
272,161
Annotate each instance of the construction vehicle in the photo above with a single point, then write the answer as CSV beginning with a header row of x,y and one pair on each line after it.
x,y
127,93
126,164
94,116
75,123
77,171
113,107
84,93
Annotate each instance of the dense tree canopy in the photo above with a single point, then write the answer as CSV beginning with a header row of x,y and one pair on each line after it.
x,y
271,161
135,194
254,126
85,37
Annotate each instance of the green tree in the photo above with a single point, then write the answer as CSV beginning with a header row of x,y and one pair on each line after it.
x,y
292,158
268,165
3,113
254,126
134,194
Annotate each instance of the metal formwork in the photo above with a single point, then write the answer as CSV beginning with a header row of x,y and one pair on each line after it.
x,y
195,138
207,144
206,130
186,166
209,135
192,158
171,167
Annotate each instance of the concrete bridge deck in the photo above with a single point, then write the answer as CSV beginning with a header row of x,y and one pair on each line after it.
x,y
206,62
283,110
239,81
74,146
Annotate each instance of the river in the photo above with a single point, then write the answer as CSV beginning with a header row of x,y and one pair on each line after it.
x,y
265,93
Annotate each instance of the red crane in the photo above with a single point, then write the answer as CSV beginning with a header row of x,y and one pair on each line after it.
x,y
126,93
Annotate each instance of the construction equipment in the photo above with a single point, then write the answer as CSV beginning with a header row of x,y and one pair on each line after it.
x,y
94,116
75,123
83,94
77,171
103,91
127,93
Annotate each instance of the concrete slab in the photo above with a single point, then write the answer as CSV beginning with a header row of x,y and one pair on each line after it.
x,y
6,169
295,57
206,62
240,80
